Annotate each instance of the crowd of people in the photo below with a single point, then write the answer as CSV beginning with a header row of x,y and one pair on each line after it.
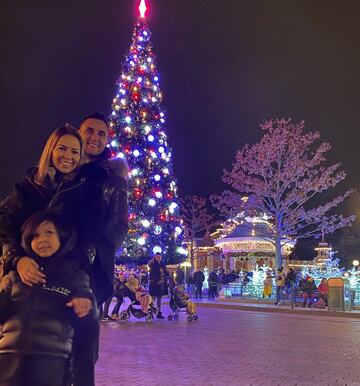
x,y
147,287
216,279
156,282
292,284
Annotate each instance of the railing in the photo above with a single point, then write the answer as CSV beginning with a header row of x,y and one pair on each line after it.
x,y
255,291
249,291
355,293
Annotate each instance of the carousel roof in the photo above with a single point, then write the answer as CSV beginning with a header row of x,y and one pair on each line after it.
x,y
249,230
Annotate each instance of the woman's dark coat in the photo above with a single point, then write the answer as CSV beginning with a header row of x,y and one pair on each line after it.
x,y
158,276
96,203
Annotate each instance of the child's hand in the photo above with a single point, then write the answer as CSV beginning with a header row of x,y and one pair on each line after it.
x,y
82,306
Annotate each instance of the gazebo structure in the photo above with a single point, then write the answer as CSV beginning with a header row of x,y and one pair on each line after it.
x,y
244,244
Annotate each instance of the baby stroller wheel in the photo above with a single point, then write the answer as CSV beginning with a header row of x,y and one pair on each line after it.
x,y
176,317
124,316
170,317
195,317
149,317
189,318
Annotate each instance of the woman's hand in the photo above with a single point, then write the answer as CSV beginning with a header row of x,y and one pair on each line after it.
x,y
82,306
29,272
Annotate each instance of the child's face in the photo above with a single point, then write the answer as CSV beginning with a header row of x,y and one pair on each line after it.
x,y
46,240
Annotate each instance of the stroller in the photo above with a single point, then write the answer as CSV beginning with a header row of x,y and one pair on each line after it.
x,y
132,308
179,302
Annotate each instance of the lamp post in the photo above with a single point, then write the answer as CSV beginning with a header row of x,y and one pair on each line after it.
x,y
185,264
355,263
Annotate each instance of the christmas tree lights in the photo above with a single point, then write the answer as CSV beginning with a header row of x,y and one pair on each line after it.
x,y
137,128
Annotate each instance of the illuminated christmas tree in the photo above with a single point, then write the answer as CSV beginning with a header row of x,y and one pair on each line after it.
x,y
138,134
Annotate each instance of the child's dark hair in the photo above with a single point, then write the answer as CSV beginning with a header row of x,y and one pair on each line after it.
x,y
65,230
98,116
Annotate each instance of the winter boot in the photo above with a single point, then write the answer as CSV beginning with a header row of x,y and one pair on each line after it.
x,y
160,316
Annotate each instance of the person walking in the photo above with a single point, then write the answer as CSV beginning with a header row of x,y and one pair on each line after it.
x,y
180,276
199,278
213,284
158,276
119,295
280,283
290,282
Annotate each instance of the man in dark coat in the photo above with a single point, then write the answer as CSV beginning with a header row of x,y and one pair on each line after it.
x,y
213,285
158,281
180,276
94,130
199,278
290,283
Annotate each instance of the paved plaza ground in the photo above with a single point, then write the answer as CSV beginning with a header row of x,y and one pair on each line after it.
x,y
231,347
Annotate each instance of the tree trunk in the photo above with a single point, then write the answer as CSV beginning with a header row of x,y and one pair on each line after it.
x,y
192,254
278,257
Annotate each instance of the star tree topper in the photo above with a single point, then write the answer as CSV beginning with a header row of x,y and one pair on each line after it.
x,y
142,9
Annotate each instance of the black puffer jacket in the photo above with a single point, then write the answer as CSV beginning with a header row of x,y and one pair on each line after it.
x,y
106,236
36,319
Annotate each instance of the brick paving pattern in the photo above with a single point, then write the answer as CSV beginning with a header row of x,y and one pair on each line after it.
x,y
231,347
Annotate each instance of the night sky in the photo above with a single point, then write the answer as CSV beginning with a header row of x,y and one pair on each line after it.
x,y
224,67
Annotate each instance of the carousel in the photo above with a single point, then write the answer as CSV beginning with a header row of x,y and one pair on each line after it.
x,y
240,244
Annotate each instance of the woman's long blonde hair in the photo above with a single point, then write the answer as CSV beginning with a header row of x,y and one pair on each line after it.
x,y
45,161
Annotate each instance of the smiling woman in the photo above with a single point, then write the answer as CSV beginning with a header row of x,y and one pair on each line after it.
x,y
66,154
53,185
63,152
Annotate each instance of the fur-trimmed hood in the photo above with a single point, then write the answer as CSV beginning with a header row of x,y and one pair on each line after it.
x,y
116,166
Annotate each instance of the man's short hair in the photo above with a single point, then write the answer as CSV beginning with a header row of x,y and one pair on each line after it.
x,y
98,116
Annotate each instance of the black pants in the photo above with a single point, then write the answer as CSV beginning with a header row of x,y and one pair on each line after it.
x,y
85,349
198,290
33,370
212,291
119,300
158,302
324,298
